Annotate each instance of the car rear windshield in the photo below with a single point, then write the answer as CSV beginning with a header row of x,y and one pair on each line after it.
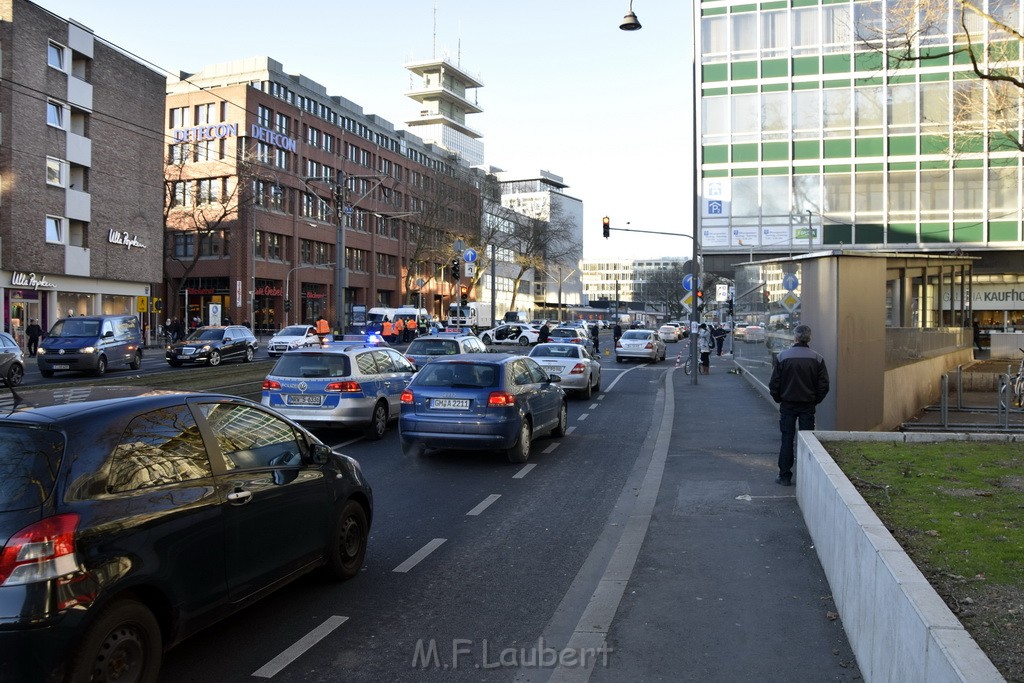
x,y
433,347
465,375
29,460
636,334
312,365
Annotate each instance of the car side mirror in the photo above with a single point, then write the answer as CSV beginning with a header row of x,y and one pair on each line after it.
x,y
227,339
320,454
109,334
554,378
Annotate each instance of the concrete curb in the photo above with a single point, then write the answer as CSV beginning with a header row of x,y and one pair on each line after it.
x,y
898,626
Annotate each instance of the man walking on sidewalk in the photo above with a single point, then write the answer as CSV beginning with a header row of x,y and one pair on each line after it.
x,y
799,383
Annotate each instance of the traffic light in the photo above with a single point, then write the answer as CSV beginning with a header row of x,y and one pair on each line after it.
x,y
766,297
730,307
287,306
455,270
464,294
607,223
700,294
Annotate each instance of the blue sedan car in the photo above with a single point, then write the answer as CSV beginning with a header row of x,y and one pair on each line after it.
x,y
482,402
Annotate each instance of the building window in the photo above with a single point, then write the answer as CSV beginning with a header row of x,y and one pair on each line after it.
x,y
179,117
55,56
55,114
55,171
212,244
805,30
209,190
182,245
274,246
263,116
205,113
180,194
54,230
282,122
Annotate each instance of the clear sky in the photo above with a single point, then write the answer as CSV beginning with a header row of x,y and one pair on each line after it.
x,y
565,90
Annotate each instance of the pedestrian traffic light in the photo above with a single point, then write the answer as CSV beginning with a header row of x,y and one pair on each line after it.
x,y
607,224
455,270
464,294
730,306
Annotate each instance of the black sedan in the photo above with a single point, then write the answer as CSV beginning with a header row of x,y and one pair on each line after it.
x,y
132,518
213,344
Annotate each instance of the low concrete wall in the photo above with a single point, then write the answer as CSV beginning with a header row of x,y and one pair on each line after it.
x,y
898,626
911,386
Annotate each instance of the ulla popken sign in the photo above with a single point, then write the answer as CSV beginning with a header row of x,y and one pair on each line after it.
x,y
31,280
122,238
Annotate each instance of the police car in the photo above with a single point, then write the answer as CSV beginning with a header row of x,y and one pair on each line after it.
x,y
342,384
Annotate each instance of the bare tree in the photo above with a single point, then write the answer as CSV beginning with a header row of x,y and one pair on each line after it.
x,y
922,31
201,207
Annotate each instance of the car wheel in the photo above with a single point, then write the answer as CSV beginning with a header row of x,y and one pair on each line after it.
x,y
378,422
249,353
214,358
174,363
617,359
597,386
524,341
588,391
46,373
563,421
101,367
412,448
123,643
15,375
136,361
486,339
521,451
347,546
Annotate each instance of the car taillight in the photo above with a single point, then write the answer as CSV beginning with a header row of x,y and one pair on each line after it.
x,y
576,341
407,397
650,345
579,369
618,344
39,552
501,398
269,384
344,387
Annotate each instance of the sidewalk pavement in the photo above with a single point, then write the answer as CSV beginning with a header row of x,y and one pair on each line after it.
x,y
727,586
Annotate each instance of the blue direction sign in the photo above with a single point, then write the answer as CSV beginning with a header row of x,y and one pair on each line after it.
x,y
469,256
790,282
688,282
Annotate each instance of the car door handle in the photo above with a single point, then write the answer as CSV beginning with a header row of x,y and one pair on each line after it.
x,y
240,497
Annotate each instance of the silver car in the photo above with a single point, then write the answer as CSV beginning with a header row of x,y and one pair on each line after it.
x,y
580,371
642,344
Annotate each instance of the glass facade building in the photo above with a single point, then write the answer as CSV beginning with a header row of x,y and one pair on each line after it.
x,y
812,136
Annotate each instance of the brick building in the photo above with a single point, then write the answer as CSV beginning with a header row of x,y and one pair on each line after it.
x,y
259,163
81,226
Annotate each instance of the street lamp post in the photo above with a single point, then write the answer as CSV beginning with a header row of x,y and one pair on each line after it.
x,y
631,23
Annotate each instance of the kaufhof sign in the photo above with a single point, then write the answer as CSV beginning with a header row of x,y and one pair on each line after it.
x,y
989,297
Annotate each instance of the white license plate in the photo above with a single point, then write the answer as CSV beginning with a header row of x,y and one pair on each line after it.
x,y
303,400
450,404
62,366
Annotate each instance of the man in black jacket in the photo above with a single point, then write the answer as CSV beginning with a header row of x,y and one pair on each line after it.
x,y
799,383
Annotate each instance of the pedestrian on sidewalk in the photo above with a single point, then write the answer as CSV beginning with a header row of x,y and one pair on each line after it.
x,y
799,383
977,336
595,332
704,344
616,332
719,334
33,332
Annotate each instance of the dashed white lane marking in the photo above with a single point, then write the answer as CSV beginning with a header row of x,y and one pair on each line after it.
x,y
523,472
550,447
486,503
419,555
592,406
583,416
307,641
570,430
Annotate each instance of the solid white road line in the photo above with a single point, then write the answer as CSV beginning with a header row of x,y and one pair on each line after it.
x,y
341,445
486,503
307,641
419,555
523,472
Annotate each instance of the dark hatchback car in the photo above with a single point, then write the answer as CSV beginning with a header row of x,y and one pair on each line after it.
x,y
131,518
213,344
491,402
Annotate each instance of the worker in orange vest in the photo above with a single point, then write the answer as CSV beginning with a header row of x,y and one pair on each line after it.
x,y
385,330
399,330
410,328
323,328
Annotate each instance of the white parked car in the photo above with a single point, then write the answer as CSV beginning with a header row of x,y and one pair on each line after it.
x,y
580,371
511,333
292,337
669,333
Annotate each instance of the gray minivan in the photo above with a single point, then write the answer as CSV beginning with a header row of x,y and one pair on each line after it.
x,y
91,343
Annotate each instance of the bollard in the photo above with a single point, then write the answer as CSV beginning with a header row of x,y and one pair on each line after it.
x,y
1001,404
944,399
960,387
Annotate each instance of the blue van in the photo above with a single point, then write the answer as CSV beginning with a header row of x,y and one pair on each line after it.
x,y
91,344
